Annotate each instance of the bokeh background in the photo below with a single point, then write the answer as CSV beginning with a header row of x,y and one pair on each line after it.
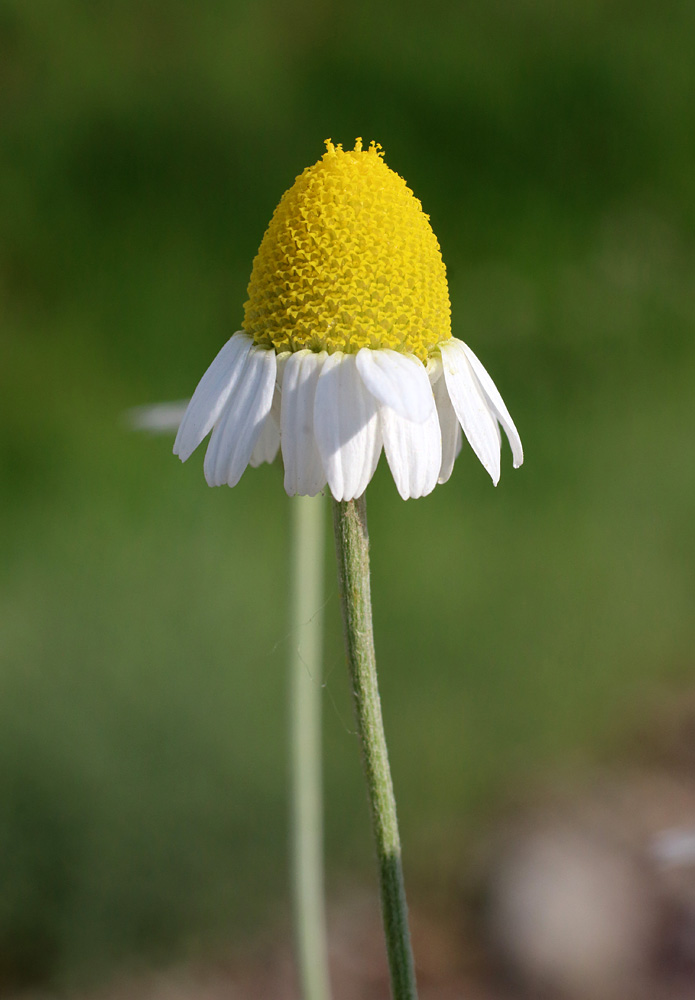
x,y
521,631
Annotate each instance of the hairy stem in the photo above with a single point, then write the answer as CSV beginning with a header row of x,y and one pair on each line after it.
x,y
352,549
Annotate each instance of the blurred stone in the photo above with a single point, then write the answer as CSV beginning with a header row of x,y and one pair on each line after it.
x,y
591,894
571,914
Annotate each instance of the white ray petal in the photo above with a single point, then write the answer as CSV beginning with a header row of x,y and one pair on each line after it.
x,y
304,473
346,426
434,370
399,381
471,406
450,430
212,392
413,451
238,429
497,403
266,447
157,418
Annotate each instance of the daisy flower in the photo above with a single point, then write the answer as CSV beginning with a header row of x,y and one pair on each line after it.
x,y
346,347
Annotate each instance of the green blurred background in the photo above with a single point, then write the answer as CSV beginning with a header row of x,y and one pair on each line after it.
x,y
143,616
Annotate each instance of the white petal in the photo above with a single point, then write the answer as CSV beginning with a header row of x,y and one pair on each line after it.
x,y
413,451
212,392
346,426
158,418
434,370
304,473
398,381
238,429
497,403
471,406
268,443
450,430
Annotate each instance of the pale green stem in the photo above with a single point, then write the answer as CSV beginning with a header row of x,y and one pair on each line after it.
x,y
352,549
308,533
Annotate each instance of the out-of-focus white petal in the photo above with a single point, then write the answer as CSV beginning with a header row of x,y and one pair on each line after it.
x,y
471,406
497,405
268,443
346,426
304,473
413,451
211,394
157,418
450,430
398,381
238,429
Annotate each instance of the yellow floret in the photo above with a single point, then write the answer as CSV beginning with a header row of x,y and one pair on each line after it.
x,y
349,260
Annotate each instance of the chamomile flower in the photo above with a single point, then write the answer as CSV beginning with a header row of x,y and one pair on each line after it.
x,y
346,347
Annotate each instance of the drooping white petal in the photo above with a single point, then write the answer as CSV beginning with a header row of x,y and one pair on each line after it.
x,y
346,426
304,473
413,451
238,429
398,381
212,392
434,370
268,442
277,395
471,406
450,430
497,403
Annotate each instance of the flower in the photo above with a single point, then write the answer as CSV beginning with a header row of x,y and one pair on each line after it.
x,y
346,347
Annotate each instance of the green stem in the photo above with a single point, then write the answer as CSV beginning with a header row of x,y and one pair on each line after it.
x,y
306,687
352,550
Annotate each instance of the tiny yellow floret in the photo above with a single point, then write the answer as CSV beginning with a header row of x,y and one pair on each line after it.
x,y
349,260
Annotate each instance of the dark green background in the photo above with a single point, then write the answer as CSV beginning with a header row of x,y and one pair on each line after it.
x,y
143,616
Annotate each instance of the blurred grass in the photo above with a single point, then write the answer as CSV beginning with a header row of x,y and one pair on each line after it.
x,y
142,615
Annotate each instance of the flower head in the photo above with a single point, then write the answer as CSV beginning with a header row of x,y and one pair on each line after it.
x,y
346,347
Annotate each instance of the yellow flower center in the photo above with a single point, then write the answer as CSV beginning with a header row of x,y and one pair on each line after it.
x,y
349,260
